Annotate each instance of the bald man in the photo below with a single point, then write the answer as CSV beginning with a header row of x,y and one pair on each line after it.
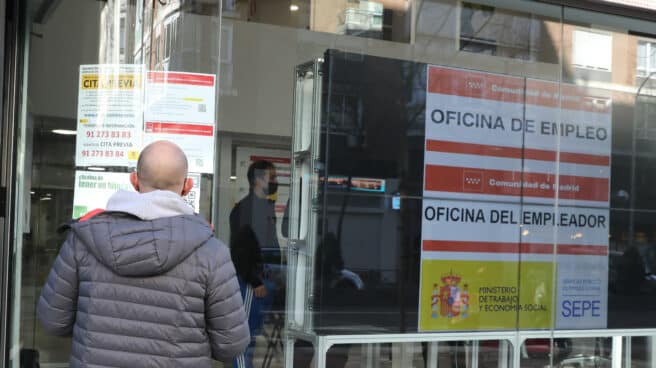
x,y
162,165
145,283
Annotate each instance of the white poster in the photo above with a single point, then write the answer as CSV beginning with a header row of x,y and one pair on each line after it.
x,y
94,188
109,113
500,152
193,197
180,107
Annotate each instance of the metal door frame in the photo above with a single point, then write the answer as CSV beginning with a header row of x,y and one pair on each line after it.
x,y
5,148
12,53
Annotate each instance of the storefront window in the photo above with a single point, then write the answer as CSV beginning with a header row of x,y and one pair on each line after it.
x,y
455,183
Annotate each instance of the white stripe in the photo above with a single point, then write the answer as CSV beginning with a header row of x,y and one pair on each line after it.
x,y
489,227
473,161
470,256
595,259
249,295
429,194
246,297
249,300
592,171
509,110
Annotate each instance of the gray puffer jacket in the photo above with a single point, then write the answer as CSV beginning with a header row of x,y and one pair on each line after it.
x,y
145,285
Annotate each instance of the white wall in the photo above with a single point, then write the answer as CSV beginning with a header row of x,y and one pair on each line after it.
x,y
69,38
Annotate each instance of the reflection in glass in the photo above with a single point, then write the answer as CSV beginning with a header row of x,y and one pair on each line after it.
x,y
368,253
489,30
78,33
566,353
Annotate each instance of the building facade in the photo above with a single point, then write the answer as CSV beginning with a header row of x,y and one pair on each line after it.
x,y
461,183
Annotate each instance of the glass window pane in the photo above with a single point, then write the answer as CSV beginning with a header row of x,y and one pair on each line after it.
x,y
73,34
592,50
642,55
475,171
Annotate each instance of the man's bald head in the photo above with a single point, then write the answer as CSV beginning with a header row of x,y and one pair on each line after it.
x,y
162,165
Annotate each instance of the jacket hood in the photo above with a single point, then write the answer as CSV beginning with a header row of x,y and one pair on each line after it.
x,y
133,238
149,206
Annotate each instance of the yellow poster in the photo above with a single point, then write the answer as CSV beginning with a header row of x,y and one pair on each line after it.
x,y
485,295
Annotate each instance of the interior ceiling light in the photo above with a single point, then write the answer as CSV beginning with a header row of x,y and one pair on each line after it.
x,y
65,131
96,168
293,7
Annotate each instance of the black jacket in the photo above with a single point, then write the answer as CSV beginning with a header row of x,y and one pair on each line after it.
x,y
252,227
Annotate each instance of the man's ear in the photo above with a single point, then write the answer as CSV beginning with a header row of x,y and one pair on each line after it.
x,y
188,185
134,180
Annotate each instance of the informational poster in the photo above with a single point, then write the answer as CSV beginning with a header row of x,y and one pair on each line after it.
x,y
94,188
516,188
122,108
110,115
193,197
180,107
281,159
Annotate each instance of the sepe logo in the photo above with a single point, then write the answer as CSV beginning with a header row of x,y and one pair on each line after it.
x,y
475,85
472,181
450,299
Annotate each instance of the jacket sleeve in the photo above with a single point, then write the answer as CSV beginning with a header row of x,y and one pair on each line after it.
x,y
244,249
57,304
247,256
227,325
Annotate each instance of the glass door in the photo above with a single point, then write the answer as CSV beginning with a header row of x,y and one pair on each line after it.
x,y
73,44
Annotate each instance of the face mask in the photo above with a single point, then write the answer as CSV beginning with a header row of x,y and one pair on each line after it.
x,y
271,192
273,188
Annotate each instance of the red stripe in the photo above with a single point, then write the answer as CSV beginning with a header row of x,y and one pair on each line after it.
x,y
496,87
177,128
91,214
512,152
277,160
181,78
469,180
513,248
467,83
592,250
466,246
